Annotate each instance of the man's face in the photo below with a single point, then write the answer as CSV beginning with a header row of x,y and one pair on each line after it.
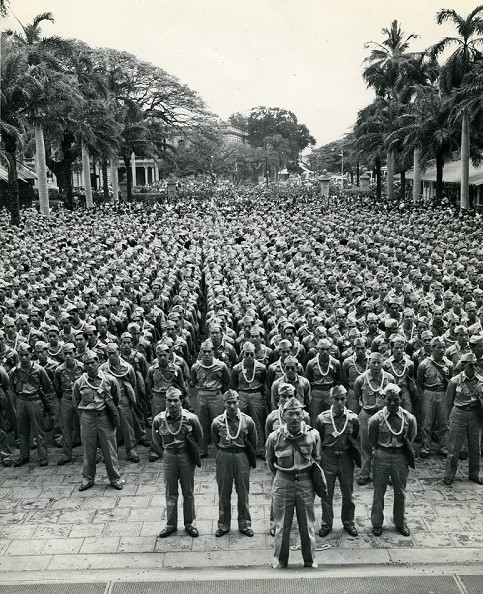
x,y
126,344
25,358
207,355
80,342
215,336
173,405
91,366
324,353
372,326
375,365
293,419
41,354
69,358
398,351
255,339
249,357
438,351
232,406
113,354
462,338
162,358
360,351
392,402
290,370
338,402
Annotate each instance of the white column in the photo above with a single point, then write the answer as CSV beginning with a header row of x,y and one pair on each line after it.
x,y
156,171
146,176
86,170
114,178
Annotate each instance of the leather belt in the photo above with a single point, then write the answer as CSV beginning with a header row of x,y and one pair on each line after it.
x,y
29,397
332,452
467,407
294,476
392,450
176,449
231,450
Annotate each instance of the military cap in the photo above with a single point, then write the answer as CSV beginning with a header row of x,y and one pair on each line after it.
x,y
230,395
292,404
468,358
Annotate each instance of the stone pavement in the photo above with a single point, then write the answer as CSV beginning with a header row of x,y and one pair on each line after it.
x,y
46,525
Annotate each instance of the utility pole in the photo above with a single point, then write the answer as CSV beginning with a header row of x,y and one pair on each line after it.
x,y
342,171
266,162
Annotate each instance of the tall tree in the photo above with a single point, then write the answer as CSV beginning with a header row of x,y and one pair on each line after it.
x,y
469,47
15,93
389,66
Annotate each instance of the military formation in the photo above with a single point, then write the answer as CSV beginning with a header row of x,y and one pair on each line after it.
x,y
245,324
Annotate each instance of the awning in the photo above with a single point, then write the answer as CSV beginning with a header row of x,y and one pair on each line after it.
x,y
451,174
24,173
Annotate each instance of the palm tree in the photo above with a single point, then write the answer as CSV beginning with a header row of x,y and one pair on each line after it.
x,y
15,92
41,59
390,71
469,45
428,131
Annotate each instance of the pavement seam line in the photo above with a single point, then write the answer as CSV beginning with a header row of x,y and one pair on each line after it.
x,y
109,586
459,582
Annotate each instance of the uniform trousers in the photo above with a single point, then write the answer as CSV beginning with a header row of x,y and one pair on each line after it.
x,y
5,452
339,465
253,404
68,421
463,424
96,426
389,463
366,446
434,406
210,406
289,495
319,401
30,418
233,467
179,468
352,402
127,424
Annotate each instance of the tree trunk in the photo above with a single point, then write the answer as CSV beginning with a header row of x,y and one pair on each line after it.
x,y
390,176
105,184
403,186
13,194
465,162
63,168
378,178
114,178
439,176
41,171
127,163
358,173
86,171
417,176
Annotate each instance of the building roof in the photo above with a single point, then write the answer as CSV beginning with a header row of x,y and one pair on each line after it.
x,y
451,173
24,173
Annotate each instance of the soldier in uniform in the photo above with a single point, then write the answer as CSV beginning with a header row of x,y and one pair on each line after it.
x,y
433,376
368,390
391,433
34,392
65,376
96,397
323,373
212,378
339,432
172,429
291,450
230,432
249,379
464,399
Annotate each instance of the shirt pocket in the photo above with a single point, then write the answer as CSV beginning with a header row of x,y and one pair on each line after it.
x,y
284,458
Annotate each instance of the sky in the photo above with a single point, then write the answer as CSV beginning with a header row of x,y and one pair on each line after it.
x,y
302,55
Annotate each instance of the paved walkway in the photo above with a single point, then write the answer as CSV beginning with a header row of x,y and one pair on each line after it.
x,y
47,526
